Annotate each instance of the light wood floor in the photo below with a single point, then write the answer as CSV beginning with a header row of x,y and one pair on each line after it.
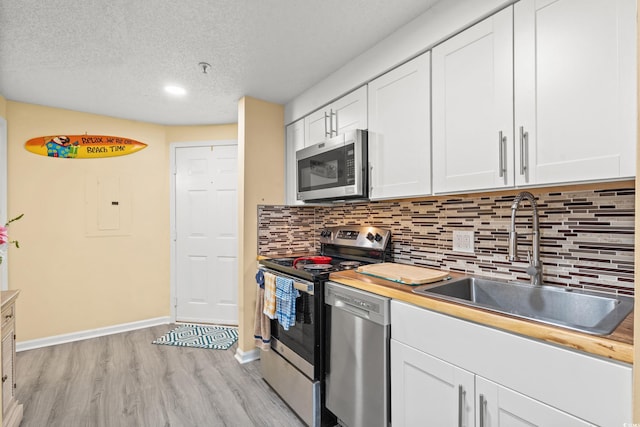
x,y
123,380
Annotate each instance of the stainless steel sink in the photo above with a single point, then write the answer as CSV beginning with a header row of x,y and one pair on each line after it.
x,y
579,310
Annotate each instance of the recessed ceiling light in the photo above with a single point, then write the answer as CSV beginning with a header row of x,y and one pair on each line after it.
x,y
175,90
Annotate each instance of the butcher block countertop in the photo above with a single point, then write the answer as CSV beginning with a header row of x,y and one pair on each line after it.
x,y
617,346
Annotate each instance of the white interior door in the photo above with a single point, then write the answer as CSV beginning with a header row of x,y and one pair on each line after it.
x,y
206,248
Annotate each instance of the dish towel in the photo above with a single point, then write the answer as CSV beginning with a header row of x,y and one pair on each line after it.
x,y
286,296
270,295
262,326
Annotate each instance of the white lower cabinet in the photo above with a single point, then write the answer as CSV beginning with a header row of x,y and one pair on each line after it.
x,y
450,372
426,391
499,406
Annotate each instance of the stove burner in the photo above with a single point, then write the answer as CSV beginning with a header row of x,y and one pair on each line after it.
x,y
318,267
349,265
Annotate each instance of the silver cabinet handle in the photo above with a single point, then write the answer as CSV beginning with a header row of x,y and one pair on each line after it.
x,y
524,151
502,144
461,394
327,129
334,129
482,409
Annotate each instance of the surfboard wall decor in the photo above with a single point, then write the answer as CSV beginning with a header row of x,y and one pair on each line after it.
x,y
83,146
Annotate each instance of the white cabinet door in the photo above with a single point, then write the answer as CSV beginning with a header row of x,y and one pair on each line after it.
x,y
399,131
345,114
427,391
575,89
350,112
498,406
295,141
473,107
317,126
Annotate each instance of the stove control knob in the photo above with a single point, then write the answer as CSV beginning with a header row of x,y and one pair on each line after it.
x,y
378,237
370,237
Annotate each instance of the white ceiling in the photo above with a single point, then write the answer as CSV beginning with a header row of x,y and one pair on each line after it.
x,y
113,57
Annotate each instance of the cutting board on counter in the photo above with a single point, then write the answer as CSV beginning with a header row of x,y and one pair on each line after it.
x,y
403,273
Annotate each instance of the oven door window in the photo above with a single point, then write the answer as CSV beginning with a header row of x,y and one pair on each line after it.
x,y
300,337
326,170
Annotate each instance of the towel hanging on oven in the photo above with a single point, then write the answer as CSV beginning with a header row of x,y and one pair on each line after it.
x,y
262,325
286,296
269,295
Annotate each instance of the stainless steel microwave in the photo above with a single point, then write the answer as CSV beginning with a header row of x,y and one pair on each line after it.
x,y
335,169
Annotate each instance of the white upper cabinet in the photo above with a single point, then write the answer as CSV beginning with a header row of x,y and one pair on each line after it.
x,y
575,90
473,107
399,131
295,142
344,114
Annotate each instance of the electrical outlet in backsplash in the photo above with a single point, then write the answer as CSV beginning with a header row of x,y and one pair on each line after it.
x,y
587,236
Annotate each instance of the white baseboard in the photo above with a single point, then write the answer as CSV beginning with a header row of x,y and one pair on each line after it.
x,y
93,333
247,356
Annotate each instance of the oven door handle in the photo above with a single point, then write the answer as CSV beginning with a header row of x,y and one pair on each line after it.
x,y
306,288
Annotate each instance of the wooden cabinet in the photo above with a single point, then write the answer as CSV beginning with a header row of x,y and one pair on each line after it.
x,y
294,142
445,370
11,409
399,131
473,107
564,71
344,114
575,90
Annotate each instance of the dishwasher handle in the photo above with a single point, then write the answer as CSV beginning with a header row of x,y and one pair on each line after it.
x,y
362,304
356,311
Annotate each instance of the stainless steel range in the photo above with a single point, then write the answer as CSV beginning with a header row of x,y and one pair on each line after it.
x,y
295,366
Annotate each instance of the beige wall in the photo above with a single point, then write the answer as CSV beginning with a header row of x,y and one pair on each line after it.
x,y
71,281
201,133
261,181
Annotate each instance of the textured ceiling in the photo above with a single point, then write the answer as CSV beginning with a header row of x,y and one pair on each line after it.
x,y
114,57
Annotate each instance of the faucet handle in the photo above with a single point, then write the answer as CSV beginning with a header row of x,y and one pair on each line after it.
x,y
532,270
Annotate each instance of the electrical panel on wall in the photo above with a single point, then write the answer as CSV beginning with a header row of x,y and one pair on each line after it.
x,y
107,206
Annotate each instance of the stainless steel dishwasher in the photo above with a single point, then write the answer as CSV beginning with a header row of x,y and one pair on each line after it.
x,y
357,363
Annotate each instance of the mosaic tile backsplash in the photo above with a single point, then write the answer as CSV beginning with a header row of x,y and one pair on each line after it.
x,y
587,236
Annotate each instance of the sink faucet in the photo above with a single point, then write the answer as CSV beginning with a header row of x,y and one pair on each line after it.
x,y
535,265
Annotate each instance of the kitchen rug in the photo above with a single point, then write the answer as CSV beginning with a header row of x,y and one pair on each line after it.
x,y
200,336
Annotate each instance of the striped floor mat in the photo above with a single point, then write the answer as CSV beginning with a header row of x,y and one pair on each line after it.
x,y
200,336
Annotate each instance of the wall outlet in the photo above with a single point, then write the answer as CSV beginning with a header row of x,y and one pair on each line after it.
x,y
463,241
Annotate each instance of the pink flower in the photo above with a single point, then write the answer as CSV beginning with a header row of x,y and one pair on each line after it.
x,y
3,235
